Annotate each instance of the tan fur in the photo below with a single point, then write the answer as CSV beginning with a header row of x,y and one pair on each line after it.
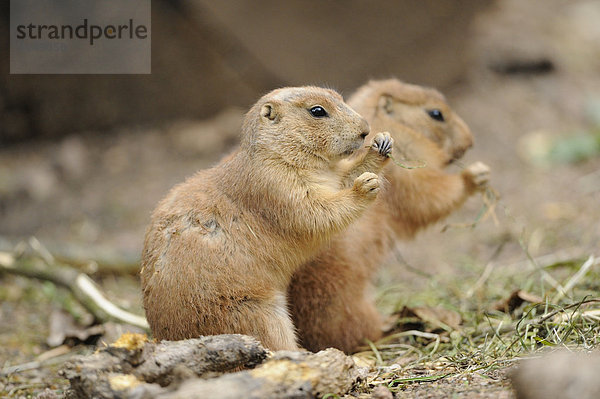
x,y
330,296
222,246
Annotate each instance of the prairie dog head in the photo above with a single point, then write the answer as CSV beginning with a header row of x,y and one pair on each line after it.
x,y
304,126
389,103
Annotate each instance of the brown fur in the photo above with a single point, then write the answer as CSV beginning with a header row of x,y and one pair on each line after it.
x,y
222,246
330,296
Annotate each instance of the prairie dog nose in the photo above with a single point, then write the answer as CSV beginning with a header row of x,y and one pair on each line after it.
x,y
364,128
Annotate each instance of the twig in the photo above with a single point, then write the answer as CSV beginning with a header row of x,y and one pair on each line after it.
x,y
81,286
26,386
95,259
46,359
54,352
90,258
41,250
7,370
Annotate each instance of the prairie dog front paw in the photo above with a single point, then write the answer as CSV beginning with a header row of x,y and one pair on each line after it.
x,y
478,174
367,185
383,144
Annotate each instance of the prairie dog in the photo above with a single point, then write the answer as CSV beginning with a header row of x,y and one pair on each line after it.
x,y
329,296
425,129
222,246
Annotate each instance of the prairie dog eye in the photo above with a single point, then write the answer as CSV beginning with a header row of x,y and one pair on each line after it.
x,y
318,112
436,114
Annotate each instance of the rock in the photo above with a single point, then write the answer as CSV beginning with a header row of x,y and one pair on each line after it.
x,y
112,372
171,369
286,375
382,392
562,374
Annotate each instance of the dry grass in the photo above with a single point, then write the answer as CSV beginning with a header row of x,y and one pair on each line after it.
x,y
488,341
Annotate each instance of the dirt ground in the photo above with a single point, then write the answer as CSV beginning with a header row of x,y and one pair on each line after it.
x,y
533,83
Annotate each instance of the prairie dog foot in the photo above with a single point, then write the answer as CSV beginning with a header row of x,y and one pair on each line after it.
x,y
383,143
367,185
478,174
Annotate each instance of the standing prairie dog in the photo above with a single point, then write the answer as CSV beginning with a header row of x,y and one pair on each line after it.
x,y
426,130
222,246
329,296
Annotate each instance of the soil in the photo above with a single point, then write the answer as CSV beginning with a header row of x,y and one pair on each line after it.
x,y
532,79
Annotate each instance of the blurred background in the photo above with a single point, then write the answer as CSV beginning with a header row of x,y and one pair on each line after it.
x,y
85,158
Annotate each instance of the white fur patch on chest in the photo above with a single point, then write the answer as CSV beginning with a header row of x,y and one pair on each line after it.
x,y
327,180
280,305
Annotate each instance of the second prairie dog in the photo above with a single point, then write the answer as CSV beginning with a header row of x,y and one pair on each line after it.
x,y
427,130
330,296
222,246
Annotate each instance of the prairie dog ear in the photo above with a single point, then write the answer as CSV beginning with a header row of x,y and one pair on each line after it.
x,y
268,111
385,103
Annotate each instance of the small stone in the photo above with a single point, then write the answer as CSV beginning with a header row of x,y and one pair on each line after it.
x,y
381,392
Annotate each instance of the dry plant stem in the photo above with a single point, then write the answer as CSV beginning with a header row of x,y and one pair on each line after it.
x,y
538,320
415,333
531,260
564,256
101,265
373,348
89,258
487,272
490,198
38,363
576,277
419,163
81,286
